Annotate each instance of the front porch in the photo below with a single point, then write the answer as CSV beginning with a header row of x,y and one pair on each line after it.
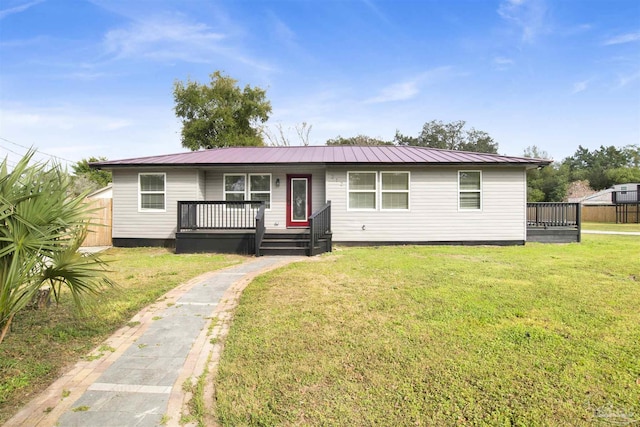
x,y
239,227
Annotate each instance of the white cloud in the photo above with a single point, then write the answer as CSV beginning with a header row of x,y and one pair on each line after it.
x,y
623,38
528,16
502,63
408,89
580,86
165,39
627,79
17,9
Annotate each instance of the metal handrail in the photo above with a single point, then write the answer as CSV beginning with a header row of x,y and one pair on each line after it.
x,y
217,215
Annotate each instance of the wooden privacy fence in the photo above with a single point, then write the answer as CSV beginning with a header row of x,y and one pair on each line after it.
x,y
100,230
599,213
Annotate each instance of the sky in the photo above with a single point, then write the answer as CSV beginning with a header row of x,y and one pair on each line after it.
x,y
95,78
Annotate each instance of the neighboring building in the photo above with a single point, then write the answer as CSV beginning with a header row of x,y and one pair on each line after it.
x,y
378,194
102,193
606,197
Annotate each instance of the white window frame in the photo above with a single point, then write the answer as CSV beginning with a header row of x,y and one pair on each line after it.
x,y
407,191
224,186
247,186
479,191
141,192
374,191
250,191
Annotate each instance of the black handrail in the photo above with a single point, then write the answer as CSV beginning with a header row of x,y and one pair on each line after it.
x,y
217,215
320,228
260,227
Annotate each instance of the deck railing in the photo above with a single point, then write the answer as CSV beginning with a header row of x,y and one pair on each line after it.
x,y
320,228
218,215
552,214
625,197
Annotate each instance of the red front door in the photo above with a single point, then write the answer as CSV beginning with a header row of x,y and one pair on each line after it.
x,y
298,200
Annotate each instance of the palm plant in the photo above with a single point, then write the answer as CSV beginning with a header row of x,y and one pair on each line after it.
x,y
41,229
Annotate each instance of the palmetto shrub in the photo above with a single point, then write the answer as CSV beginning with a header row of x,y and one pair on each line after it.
x,y
41,229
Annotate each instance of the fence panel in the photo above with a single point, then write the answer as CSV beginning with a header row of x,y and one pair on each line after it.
x,y
602,213
100,232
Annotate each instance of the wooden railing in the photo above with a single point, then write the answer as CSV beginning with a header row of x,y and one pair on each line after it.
x,y
551,214
320,229
218,215
259,228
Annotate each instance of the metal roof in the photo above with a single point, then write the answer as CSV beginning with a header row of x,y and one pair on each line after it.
x,y
333,155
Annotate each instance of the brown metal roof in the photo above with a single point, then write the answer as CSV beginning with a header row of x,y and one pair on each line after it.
x,y
335,155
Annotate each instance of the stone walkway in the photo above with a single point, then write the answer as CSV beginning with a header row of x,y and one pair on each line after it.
x,y
138,374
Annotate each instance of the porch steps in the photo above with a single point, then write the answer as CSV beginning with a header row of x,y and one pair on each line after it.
x,y
295,242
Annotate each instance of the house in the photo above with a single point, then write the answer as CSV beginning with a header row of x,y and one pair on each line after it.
x,y
619,193
105,192
243,199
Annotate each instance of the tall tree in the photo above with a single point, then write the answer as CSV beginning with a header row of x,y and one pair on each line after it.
x,y
548,184
41,228
99,177
598,166
450,136
357,140
220,114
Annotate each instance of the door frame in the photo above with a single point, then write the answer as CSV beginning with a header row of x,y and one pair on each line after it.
x,y
290,222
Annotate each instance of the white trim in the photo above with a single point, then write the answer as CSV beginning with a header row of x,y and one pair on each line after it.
x,y
470,191
247,186
164,192
249,191
374,191
407,191
306,201
224,186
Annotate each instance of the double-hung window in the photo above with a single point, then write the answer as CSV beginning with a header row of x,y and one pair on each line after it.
x,y
394,190
362,189
469,190
260,188
239,187
378,190
152,191
234,187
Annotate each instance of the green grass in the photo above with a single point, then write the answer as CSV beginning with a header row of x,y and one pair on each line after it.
x,y
43,343
526,336
602,226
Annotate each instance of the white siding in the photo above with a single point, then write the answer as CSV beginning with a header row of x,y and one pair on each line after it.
x,y
276,216
128,222
434,214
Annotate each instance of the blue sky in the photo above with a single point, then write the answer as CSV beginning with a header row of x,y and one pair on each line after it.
x,y
94,78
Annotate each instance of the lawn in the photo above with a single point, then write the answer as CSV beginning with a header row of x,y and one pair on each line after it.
x,y
602,226
43,343
533,335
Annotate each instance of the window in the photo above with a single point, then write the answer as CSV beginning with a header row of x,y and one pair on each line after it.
x,y
394,189
234,187
470,190
362,188
260,188
257,187
152,191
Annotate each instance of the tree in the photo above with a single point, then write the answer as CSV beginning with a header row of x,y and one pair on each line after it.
x,y
450,136
360,140
41,228
281,138
594,166
88,178
548,184
220,114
